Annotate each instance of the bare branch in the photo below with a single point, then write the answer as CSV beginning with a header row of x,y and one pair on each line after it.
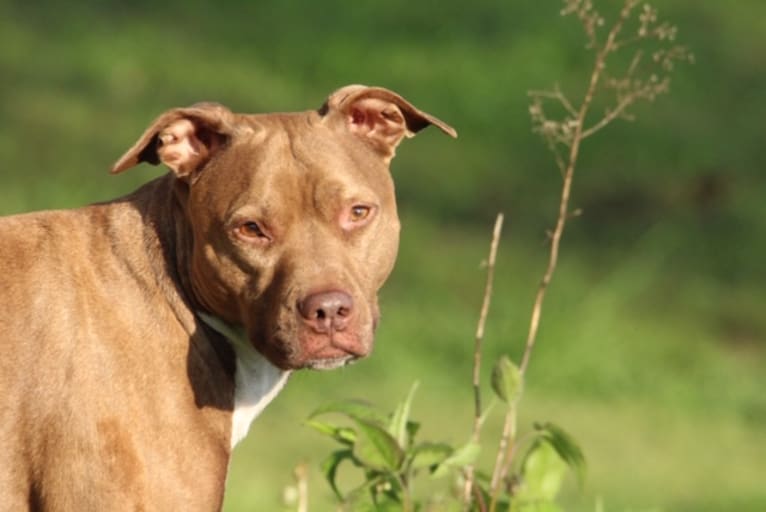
x,y
556,156
507,440
557,95
301,480
571,132
502,461
477,420
610,116
598,68
564,101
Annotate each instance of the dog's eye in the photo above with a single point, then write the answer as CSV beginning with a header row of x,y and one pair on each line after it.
x,y
359,213
356,217
251,230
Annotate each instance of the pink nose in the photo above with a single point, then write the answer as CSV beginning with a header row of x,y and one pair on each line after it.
x,y
325,312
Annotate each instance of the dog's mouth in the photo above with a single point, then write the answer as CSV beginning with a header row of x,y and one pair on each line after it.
x,y
317,352
331,363
294,349
333,350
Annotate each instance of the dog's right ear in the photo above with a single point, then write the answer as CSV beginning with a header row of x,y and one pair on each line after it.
x,y
184,139
378,116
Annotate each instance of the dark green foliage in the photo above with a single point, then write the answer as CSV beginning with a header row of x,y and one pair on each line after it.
x,y
385,452
389,466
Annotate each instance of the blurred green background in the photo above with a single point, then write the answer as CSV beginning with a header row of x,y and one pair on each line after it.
x,y
652,350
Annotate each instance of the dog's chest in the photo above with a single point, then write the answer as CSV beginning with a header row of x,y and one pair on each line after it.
x,y
256,383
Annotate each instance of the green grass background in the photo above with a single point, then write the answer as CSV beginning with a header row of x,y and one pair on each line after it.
x,y
652,349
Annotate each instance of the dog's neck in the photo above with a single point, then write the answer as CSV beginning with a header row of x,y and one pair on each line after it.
x,y
256,381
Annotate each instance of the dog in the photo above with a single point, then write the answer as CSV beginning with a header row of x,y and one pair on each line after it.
x,y
141,336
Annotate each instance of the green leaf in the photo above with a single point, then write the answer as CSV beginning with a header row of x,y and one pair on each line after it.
x,y
506,380
344,435
360,497
412,430
461,457
330,465
543,473
566,447
375,447
379,492
352,408
427,454
398,425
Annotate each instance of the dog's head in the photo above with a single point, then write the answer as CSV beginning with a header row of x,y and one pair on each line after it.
x,y
292,216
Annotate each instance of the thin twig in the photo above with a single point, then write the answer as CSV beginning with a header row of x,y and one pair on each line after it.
x,y
479,499
406,498
557,95
610,116
566,188
507,447
511,451
623,103
483,320
564,101
504,450
301,480
570,132
477,419
556,156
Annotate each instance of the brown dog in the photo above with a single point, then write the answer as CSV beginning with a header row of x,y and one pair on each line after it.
x,y
275,230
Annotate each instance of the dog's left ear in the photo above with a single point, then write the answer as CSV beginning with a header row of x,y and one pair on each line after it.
x,y
184,139
380,117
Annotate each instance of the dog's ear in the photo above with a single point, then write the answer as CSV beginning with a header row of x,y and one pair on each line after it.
x,y
379,116
184,139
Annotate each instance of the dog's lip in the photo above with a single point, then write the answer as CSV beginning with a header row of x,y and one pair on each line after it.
x,y
326,357
330,363
331,352
306,349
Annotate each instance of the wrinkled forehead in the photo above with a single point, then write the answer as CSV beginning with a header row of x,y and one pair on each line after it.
x,y
295,158
303,141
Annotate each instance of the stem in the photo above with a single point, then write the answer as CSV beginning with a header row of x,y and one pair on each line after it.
x,y
506,448
479,499
504,451
482,321
406,498
566,189
609,117
622,104
557,95
301,479
469,473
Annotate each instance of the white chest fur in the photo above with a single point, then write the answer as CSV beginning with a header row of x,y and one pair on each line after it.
x,y
256,380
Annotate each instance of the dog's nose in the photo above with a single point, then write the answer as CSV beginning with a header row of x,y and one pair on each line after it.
x,y
327,311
